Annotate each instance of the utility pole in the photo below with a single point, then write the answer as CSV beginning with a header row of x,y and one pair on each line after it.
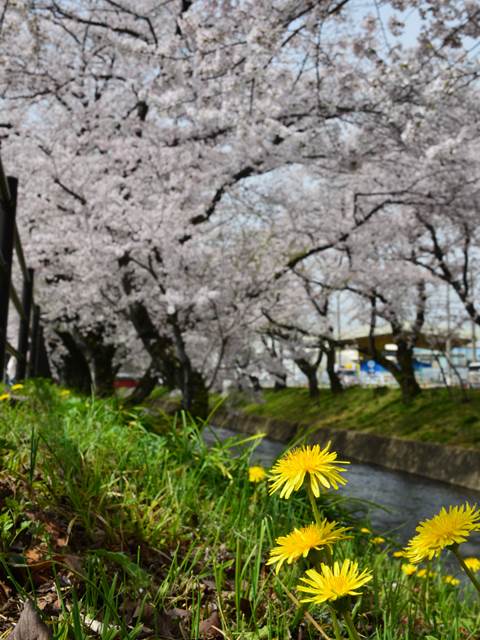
x,y
473,323
448,343
339,330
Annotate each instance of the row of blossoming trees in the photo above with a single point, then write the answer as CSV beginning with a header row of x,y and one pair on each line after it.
x,y
201,179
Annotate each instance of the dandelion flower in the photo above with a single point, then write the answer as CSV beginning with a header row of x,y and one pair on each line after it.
x,y
321,465
365,530
409,569
451,580
301,541
256,474
422,573
334,583
4,396
445,529
17,387
398,554
473,564
378,540
64,393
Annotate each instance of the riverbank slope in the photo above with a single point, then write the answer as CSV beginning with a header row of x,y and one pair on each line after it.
x,y
437,436
439,416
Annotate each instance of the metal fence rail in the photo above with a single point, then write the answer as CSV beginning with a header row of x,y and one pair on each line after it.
x,y
30,352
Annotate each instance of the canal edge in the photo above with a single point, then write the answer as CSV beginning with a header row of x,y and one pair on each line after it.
x,y
453,465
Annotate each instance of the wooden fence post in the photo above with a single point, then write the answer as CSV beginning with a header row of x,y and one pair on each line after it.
x,y
34,347
27,296
7,233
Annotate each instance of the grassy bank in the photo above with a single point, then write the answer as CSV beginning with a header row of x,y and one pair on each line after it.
x,y
437,415
118,532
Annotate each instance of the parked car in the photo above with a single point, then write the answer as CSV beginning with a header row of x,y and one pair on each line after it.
x,y
348,376
473,376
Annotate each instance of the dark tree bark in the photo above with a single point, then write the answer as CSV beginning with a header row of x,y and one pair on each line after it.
x,y
406,372
195,396
144,388
459,278
280,381
159,346
192,384
336,386
74,371
169,356
255,383
402,369
100,356
309,370
104,371
87,355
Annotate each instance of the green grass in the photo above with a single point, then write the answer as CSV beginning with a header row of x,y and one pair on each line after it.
x,y
437,415
119,532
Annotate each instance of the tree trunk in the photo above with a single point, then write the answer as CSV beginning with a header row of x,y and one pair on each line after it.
x,y
406,372
310,372
193,387
336,386
74,371
195,395
255,383
313,390
280,381
159,347
402,370
409,387
144,388
104,371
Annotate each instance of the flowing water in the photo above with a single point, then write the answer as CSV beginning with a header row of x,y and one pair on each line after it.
x,y
406,498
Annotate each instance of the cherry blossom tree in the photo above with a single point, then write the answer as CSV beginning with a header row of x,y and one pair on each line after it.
x,y
134,123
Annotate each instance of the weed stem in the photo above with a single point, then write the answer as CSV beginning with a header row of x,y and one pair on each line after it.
x,y
352,632
336,626
313,503
469,573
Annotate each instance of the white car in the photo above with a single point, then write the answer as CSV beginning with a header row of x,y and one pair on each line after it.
x,y
474,374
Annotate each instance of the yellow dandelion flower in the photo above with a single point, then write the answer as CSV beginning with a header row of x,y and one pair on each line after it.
x,y
256,474
378,540
16,387
398,554
301,541
321,465
422,573
4,396
473,564
365,530
409,569
334,583
443,530
64,393
451,580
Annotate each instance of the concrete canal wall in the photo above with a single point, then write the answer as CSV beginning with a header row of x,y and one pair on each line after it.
x,y
454,465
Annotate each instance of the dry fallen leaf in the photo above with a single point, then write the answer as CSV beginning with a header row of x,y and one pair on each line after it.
x,y
211,627
30,626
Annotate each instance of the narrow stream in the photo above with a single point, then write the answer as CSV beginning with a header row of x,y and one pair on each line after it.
x,y
407,498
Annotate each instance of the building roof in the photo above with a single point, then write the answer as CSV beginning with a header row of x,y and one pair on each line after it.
x,y
438,340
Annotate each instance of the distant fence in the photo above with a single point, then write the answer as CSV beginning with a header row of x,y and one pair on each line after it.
x,y
29,351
